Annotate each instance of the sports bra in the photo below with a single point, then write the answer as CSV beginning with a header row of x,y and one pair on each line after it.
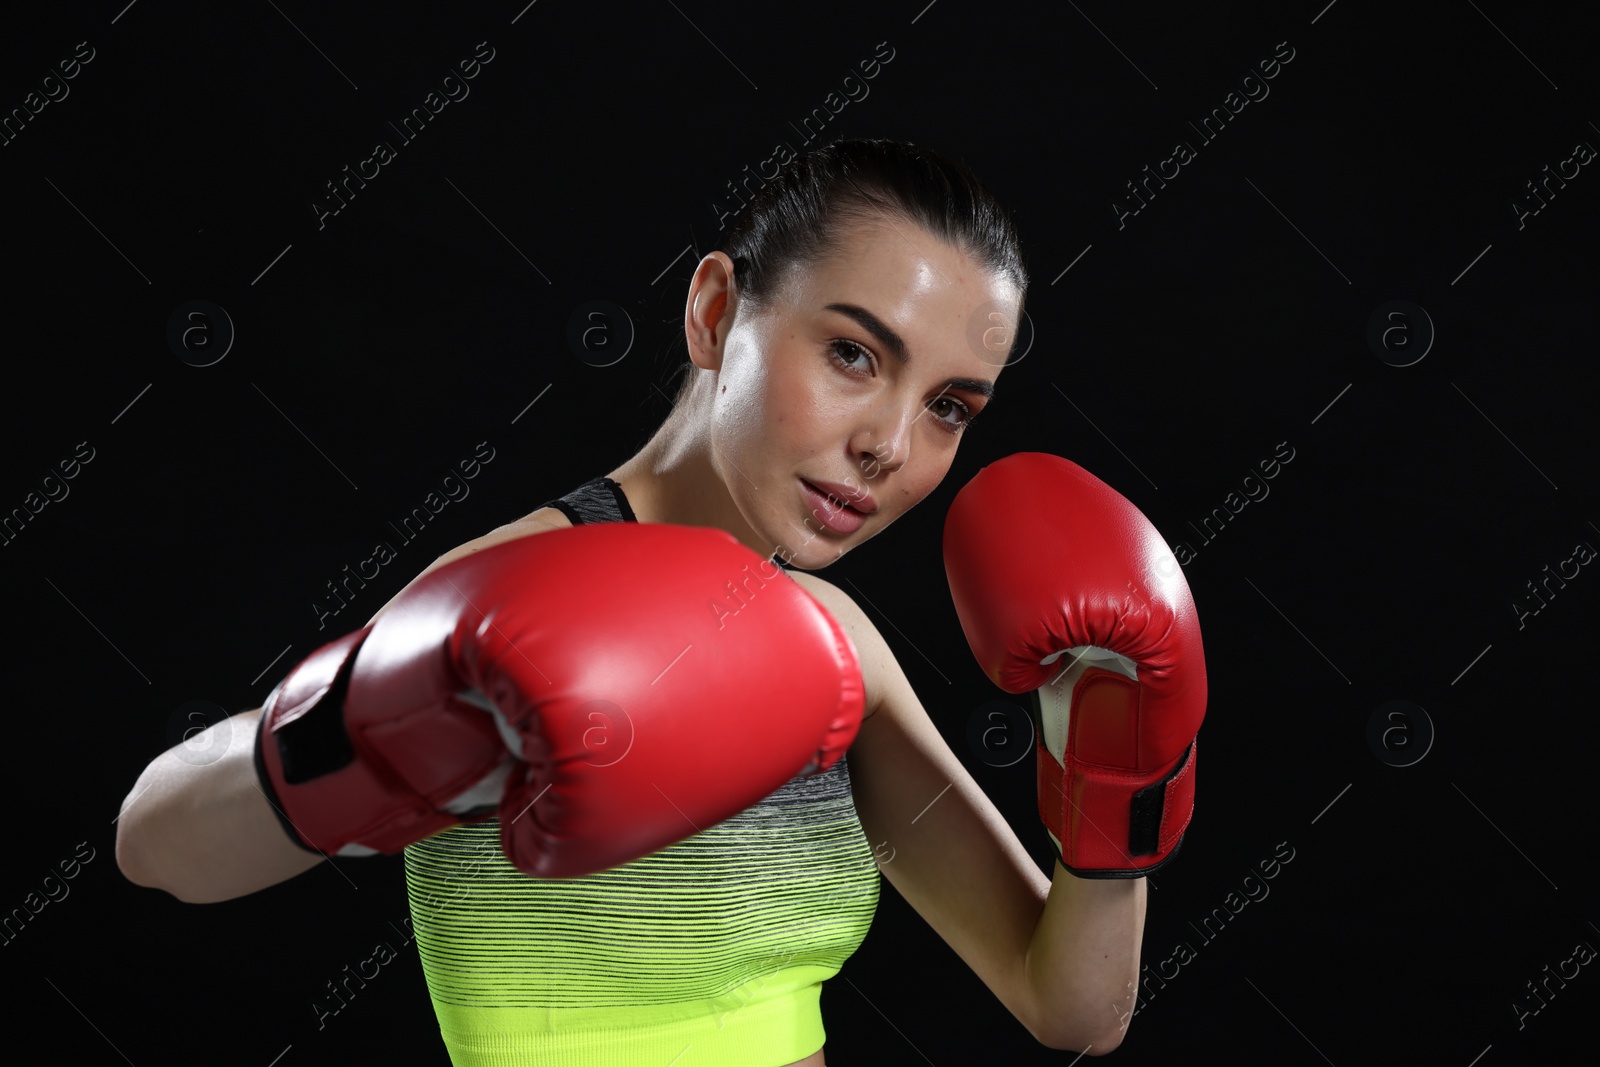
x,y
708,953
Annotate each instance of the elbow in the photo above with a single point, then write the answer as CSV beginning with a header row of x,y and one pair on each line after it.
x,y
1080,1038
134,860
1107,1043
132,845
133,868
130,858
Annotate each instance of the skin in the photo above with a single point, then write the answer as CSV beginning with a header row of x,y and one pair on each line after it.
x,y
794,390
780,398
784,391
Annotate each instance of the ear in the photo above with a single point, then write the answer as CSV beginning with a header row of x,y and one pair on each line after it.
x,y
708,312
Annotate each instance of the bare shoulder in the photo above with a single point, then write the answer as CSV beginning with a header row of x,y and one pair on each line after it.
x,y
839,603
879,669
541,521
544,518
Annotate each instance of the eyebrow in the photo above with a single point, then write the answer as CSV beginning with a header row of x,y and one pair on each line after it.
x,y
897,346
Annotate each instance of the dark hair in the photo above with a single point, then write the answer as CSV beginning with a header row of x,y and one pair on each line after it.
x,y
800,217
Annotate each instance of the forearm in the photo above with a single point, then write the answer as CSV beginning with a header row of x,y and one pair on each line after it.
x,y
1083,961
205,832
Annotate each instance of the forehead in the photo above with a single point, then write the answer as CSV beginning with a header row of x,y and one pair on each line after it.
x,y
894,255
942,299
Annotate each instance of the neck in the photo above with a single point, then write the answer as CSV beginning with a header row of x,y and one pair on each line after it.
x,y
674,477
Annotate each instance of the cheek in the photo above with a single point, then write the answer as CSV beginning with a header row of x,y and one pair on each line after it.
x,y
909,487
916,488
743,403
796,406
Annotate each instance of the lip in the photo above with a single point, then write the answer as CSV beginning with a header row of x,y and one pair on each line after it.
x,y
861,502
842,520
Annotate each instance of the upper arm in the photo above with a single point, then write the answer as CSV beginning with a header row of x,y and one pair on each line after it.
x,y
941,842
538,522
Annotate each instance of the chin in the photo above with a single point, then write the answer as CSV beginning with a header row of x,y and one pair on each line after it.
x,y
817,551
817,561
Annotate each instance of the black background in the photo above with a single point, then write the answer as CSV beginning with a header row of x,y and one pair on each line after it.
x,y
1180,349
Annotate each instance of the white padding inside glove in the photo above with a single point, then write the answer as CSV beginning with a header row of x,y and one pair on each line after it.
x,y
510,736
490,787
1055,696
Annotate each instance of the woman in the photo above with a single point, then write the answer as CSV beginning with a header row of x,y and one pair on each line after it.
x,y
853,324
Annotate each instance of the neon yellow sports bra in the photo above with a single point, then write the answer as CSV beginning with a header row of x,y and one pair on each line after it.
x,y
709,953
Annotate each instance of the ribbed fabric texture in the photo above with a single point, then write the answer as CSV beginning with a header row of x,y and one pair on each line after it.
x,y
709,953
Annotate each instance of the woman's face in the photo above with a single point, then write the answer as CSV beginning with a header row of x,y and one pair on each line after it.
x,y
840,405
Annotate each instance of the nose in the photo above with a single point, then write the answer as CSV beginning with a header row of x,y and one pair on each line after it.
x,y
883,444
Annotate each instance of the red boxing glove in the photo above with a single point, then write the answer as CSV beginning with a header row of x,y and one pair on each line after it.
x,y
1048,563
608,689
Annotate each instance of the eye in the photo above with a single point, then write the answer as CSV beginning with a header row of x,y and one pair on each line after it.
x,y
947,405
845,353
